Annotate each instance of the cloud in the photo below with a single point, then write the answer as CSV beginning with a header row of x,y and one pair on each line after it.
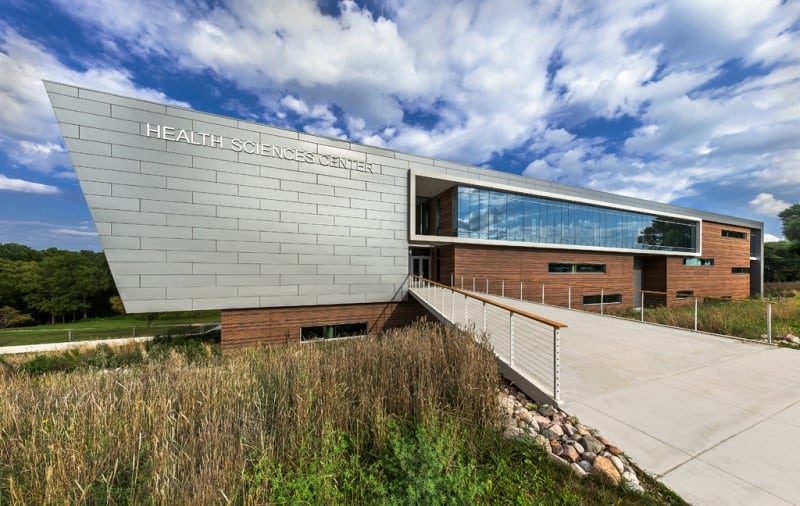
x,y
20,185
766,204
29,134
42,234
772,238
470,81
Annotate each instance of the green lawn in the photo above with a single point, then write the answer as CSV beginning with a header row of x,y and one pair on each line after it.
x,y
105,328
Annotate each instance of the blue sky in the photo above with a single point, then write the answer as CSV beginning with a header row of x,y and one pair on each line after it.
x,y
695,103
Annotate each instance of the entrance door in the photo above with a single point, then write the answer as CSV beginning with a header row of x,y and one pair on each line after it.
x,y
421,266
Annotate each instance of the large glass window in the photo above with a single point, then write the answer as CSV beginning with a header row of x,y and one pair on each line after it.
x,y
490,214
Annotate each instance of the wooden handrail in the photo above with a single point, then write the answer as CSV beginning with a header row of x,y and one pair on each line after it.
x,y
540,319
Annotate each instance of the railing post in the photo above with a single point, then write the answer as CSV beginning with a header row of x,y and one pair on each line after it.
x,y
69,335
473,284
503,288
601,301
484,317
134,331
769,323
452,282
466,310
511,338
453,305
569,297
695,314
642,308
520,290
542,293
487,286
556,365
462,282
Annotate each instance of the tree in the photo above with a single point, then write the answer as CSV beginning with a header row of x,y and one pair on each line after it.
x,y
10,317
791,222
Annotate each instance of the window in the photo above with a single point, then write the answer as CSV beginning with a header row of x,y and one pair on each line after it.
x,y
698,262
740,270
490,214
609,298
684,294
556,268
735,234
333,331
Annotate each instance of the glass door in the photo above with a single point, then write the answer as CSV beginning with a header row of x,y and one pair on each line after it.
x,y
421,266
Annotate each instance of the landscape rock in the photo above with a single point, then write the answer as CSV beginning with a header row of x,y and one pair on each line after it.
x,y
602,439
592,444
590,456
585,465
570,454
580,471
578,447
542,421
606,469
547,410
556,448
506,404
582,430
617,463
613,450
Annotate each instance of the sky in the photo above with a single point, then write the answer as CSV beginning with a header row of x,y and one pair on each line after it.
x,y
694,103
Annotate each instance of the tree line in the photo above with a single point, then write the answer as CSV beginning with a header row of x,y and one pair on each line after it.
x,y
782,258
53,285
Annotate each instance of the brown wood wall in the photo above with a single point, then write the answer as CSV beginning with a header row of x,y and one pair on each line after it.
x,y
660,273
716,280
280,325
530,266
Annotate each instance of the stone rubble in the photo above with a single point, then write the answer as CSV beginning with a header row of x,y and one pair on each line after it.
x,y
565,439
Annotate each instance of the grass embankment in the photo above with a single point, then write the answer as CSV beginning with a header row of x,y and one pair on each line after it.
x,y
106,328
742,318
406,418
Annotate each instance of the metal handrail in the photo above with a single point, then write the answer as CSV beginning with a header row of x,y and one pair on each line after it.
x,y
540,319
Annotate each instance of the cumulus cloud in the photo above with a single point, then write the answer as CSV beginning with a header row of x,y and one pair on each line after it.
x,y
20,185
28,131
470,80
767,205
772,238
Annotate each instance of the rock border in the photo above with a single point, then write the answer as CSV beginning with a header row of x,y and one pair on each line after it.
x,y
567,441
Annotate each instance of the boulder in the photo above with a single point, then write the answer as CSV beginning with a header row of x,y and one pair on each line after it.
x,y
606,469
592,444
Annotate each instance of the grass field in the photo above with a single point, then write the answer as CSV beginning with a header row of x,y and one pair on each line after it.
x,y
745,318
104,328
410,417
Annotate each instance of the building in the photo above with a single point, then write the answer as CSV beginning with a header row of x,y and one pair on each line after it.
x,y
294,235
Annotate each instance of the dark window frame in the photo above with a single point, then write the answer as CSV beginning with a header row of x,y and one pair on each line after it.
x,y
684,294
740,270
734,234
615,298
702,262
333,331
575,268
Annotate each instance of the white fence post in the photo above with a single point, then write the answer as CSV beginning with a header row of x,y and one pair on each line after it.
x,y
473,284
769,323
542,293
511,338
453,305
642,313
487,286
484,317
601,300
556,365
569,297
520,290
462,282
695,314
503,288
69,335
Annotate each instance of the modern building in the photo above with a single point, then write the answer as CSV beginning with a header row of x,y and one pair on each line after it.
x,y
294,235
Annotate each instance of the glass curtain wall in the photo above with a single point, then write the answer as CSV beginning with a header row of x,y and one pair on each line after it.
x,y
490,214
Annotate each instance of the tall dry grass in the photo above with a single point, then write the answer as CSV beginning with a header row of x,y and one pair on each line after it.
x,y
178,433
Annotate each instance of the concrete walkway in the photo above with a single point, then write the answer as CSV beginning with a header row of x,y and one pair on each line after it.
x,y
71,345
715,419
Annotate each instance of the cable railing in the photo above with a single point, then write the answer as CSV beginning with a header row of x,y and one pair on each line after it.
x,y
527,343
752,319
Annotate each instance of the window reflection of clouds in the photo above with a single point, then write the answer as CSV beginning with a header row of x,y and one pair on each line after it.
x,y
489,214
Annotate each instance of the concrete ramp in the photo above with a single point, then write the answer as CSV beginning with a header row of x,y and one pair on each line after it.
x,y
715,419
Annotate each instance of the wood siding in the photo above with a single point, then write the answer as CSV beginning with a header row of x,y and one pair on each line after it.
x,y
281,325
506,267
716,280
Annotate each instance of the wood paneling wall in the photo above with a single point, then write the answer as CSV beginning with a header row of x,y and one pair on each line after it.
x,y
530,267
250,327
716,280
